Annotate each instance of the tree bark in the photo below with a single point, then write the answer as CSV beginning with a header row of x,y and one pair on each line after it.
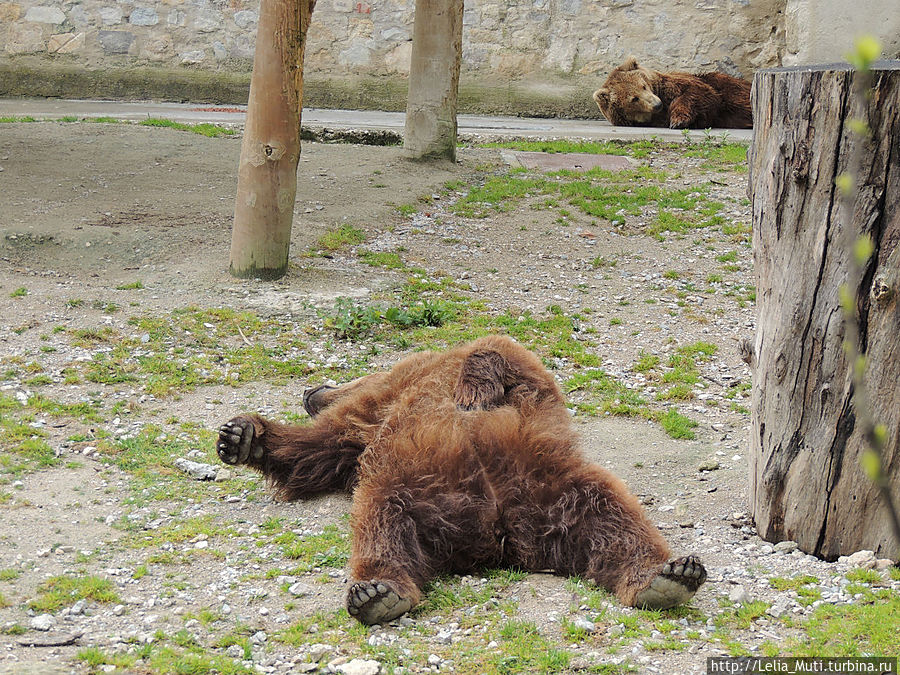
x,y
806,482
434,80
270,150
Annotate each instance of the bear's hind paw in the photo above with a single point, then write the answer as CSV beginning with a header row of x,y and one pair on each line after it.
x,y
374,601
676,583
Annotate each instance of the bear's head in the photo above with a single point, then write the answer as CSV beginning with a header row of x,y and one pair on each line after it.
x,y
627,98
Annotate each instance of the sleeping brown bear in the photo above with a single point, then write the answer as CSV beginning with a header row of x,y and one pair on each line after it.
x,y
637,96
459,461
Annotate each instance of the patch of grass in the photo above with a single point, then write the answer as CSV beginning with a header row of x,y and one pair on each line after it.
x,y
342,237
133,286
677,425
729,256
646,362
60,591
331,548
352,321
638,149
385,259
203,129
13,629
742,616
523,649
24,447
20,292
9,574
606,395
862,628
13,119
603,261
864,576
792,583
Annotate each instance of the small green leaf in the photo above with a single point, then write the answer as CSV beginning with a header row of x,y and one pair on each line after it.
x,y
881,434
844,183
860,365
863,249
848,302
866,50
871,464
859,127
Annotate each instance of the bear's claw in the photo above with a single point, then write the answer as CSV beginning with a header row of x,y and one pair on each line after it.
x,y
676,583
374,601
235,442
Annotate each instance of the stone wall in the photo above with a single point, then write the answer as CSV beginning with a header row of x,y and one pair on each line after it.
x,y
548,41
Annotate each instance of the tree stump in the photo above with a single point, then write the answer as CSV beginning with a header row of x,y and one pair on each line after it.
x,y
270,148
806,482
434,80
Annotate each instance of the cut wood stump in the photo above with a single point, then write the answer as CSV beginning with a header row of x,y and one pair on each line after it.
x,y
806,482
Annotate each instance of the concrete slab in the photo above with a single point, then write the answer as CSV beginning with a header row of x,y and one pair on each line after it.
x,y
469,126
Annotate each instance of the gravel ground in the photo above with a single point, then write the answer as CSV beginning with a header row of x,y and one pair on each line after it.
x,y
196,558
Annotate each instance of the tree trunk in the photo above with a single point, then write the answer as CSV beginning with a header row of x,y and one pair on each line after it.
x,y
806,482
270,150
434,80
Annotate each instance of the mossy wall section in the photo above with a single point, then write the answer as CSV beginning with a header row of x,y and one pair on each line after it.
x,y
531,57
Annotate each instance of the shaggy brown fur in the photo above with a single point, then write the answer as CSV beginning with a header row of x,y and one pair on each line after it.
x,y
458,461
637,96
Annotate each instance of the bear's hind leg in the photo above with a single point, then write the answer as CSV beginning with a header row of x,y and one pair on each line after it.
x,y
406,531
602,533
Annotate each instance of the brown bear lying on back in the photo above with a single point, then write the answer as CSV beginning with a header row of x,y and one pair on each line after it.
x,y
459,461
637,96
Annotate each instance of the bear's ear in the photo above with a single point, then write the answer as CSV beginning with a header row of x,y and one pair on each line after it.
x,y
630,64
601,96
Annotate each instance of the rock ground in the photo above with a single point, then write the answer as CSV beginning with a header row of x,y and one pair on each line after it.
x,y
87,208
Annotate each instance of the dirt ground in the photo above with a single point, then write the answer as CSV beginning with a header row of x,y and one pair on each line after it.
x,y
88,208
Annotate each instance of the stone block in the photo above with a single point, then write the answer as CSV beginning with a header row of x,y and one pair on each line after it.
x,y
193,57
219,51
115,41
143,16
65,43
110,16
24,39
398,59
245,18
395,34
10,11
176,18
42,14
78,17
357,54
208,20
158,48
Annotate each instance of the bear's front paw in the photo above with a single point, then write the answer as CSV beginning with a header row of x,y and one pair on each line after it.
x,y
235,443
678,122
676,583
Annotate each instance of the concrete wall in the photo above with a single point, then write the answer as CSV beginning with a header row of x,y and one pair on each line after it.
x,y
557,45
823,31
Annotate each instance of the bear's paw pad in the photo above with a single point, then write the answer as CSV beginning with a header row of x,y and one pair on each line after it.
x,y
236,441
676,583
374,601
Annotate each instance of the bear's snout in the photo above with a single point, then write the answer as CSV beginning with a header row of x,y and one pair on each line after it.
x,y
313,400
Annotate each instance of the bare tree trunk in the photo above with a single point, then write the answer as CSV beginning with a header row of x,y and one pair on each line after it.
x,y
267,174
434,80
806,482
